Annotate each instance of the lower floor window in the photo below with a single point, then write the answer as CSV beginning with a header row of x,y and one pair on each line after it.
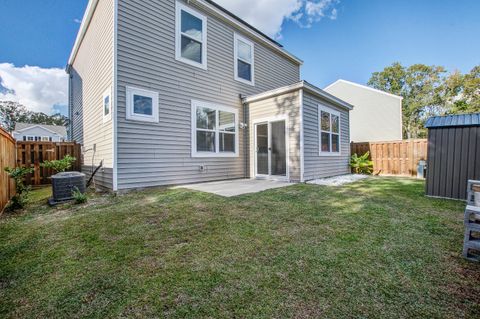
x,y
329,128
214,130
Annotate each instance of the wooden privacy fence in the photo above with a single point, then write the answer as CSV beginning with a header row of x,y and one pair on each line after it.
x,y
7,159
394,157
32,154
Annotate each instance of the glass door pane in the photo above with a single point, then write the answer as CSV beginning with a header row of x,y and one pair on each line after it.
x,y
279,155
262,149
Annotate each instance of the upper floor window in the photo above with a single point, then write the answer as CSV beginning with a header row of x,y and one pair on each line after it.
x,y
142,105
329,130
244,65
191,36
214,130
107,108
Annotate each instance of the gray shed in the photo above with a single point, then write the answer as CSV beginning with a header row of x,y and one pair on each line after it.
x,y
453,154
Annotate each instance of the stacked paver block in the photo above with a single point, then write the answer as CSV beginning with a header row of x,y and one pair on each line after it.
x,y
471,245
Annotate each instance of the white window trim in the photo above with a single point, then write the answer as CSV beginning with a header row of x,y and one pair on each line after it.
x,y
46,137
334,112
178,35
107,117
237,37
130,92
216,107
30,136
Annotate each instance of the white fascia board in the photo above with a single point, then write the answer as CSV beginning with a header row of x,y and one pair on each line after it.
x,y
248,30
92,4
307,87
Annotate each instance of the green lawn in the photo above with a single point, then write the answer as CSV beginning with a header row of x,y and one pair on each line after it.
x,y
375,248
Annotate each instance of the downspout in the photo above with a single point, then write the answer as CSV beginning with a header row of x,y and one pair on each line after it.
x,y
70,105
302,141
115,98
244,126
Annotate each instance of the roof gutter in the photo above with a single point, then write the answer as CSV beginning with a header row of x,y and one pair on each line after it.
x,y
244,26
87,17
206,4
307,87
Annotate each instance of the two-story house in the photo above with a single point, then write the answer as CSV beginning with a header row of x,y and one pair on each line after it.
x,y
172,92
377,115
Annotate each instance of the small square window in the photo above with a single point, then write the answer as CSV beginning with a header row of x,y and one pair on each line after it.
x,y
142,105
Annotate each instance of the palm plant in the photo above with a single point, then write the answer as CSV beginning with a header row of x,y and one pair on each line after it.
x,y
361,164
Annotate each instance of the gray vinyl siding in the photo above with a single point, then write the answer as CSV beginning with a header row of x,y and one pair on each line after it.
x,y
92,75
287,105
152,154
103,178
316,166
76,109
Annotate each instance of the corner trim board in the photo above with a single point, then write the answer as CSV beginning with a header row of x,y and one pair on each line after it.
x,y
302,155
114,98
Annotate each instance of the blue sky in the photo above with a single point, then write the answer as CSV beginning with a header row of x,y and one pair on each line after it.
x,y
346,39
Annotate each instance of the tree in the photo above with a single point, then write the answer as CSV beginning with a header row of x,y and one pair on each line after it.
x,y
13,112
462,92
421,88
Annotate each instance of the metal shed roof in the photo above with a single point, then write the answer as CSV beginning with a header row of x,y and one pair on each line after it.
x,y
454,120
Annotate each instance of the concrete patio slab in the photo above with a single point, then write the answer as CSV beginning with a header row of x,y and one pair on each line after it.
x,y
236,187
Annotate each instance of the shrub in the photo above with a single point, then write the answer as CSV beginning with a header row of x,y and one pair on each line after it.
x,y
78,196
21,197
361,164
60,165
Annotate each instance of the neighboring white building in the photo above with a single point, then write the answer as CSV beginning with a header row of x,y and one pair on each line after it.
x,y
377,115
39,132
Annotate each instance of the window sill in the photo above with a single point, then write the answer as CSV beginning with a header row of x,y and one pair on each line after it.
x,y
107,119
252,83
202,66
329,154
213,155
140,118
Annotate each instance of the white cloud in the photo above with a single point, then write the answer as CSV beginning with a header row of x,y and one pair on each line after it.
x,y
269,15
79,21
37,88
